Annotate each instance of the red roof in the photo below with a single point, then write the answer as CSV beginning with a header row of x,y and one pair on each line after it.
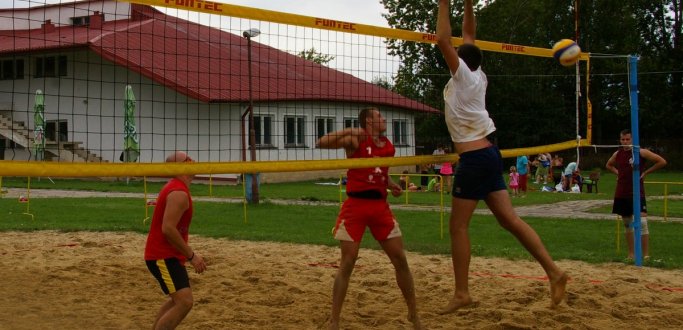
x,y
205,63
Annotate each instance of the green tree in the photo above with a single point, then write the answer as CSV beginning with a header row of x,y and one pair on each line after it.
x,y
314,56
649,29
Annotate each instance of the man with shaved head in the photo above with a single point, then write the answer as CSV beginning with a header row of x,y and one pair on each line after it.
x,y
167,247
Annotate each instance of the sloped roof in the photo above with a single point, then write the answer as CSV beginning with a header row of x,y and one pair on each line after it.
x,y
205,63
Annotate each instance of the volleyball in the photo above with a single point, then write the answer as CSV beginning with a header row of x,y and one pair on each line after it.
x,y
566,51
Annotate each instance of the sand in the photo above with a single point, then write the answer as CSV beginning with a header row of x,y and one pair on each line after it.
x,y
84,280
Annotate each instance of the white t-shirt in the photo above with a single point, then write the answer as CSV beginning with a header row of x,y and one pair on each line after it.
x,y
465,99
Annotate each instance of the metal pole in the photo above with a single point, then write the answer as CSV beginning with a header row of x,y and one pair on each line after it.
x,y
635,137
252,130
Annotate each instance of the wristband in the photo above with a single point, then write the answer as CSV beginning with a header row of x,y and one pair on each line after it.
x,y
190,258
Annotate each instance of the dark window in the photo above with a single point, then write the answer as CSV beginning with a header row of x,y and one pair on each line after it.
x,y
51,66
324,125
294,131
11,69
80,21
400,132
263,129
351,122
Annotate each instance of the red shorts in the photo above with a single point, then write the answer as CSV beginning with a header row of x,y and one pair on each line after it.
x,y
356,214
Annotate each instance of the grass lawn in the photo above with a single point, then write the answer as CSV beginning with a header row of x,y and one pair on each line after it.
x,y
587,240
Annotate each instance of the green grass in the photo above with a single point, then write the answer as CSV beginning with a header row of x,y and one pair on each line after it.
x,y
587,240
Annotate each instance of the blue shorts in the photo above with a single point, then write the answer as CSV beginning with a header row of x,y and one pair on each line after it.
x,y
479,173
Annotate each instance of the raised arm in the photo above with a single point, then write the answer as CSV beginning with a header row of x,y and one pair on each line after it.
x,y
348,138
443,35
469,24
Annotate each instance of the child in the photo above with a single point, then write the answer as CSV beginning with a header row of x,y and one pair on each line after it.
x,y
434,184
514,181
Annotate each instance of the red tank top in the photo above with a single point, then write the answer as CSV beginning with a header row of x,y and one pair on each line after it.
x,y
157,246
624,164
377,178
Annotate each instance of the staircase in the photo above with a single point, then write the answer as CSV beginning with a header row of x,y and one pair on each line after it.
x,y
65,151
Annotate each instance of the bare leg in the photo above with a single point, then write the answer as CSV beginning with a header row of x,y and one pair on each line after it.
x,y
349,254
630,242
174,311
393,247
644,241
461,214
500,205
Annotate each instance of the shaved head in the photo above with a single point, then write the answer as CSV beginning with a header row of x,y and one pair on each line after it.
x,y
177,157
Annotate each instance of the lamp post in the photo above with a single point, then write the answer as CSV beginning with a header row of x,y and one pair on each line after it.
x,y
251,33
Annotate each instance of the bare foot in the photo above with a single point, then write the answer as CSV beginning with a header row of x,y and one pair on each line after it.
x,y
557,289
458,301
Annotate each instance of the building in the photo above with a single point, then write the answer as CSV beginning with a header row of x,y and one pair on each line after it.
x,y
191,87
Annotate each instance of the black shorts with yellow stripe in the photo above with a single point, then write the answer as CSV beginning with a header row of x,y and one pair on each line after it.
x,y
172,276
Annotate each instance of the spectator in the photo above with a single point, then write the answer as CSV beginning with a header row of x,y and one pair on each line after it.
x,y
439,151
514,181
447,173
542,168
570,176
523,170
621,164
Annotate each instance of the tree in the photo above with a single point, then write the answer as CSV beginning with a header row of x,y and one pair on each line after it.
x,y
649,29
314,56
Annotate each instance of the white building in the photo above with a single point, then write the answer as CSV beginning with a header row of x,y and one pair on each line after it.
x,y
191,83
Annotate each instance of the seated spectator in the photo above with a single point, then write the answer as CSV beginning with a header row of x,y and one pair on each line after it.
x,y
434,184
403,180
556,169
570,176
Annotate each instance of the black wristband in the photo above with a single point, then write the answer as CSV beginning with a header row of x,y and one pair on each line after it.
x,y
190,258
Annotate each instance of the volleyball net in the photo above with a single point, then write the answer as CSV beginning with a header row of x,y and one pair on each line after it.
x,y
109,88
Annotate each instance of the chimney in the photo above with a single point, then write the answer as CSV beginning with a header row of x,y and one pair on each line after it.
x,y
96,20
48,26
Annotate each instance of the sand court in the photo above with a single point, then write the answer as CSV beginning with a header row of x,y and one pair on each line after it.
x,y
99,281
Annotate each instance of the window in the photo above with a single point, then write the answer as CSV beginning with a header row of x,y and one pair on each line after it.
x,y
51,66
57,130
263,130
294,131
12,69
323,125
80,21
400,129
351,122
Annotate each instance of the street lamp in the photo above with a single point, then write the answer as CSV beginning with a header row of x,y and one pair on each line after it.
x,y
251,33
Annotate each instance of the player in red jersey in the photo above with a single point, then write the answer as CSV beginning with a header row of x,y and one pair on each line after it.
x,y
167,250
366,206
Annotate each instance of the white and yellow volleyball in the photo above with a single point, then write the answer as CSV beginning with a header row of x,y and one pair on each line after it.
x,y
567,52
